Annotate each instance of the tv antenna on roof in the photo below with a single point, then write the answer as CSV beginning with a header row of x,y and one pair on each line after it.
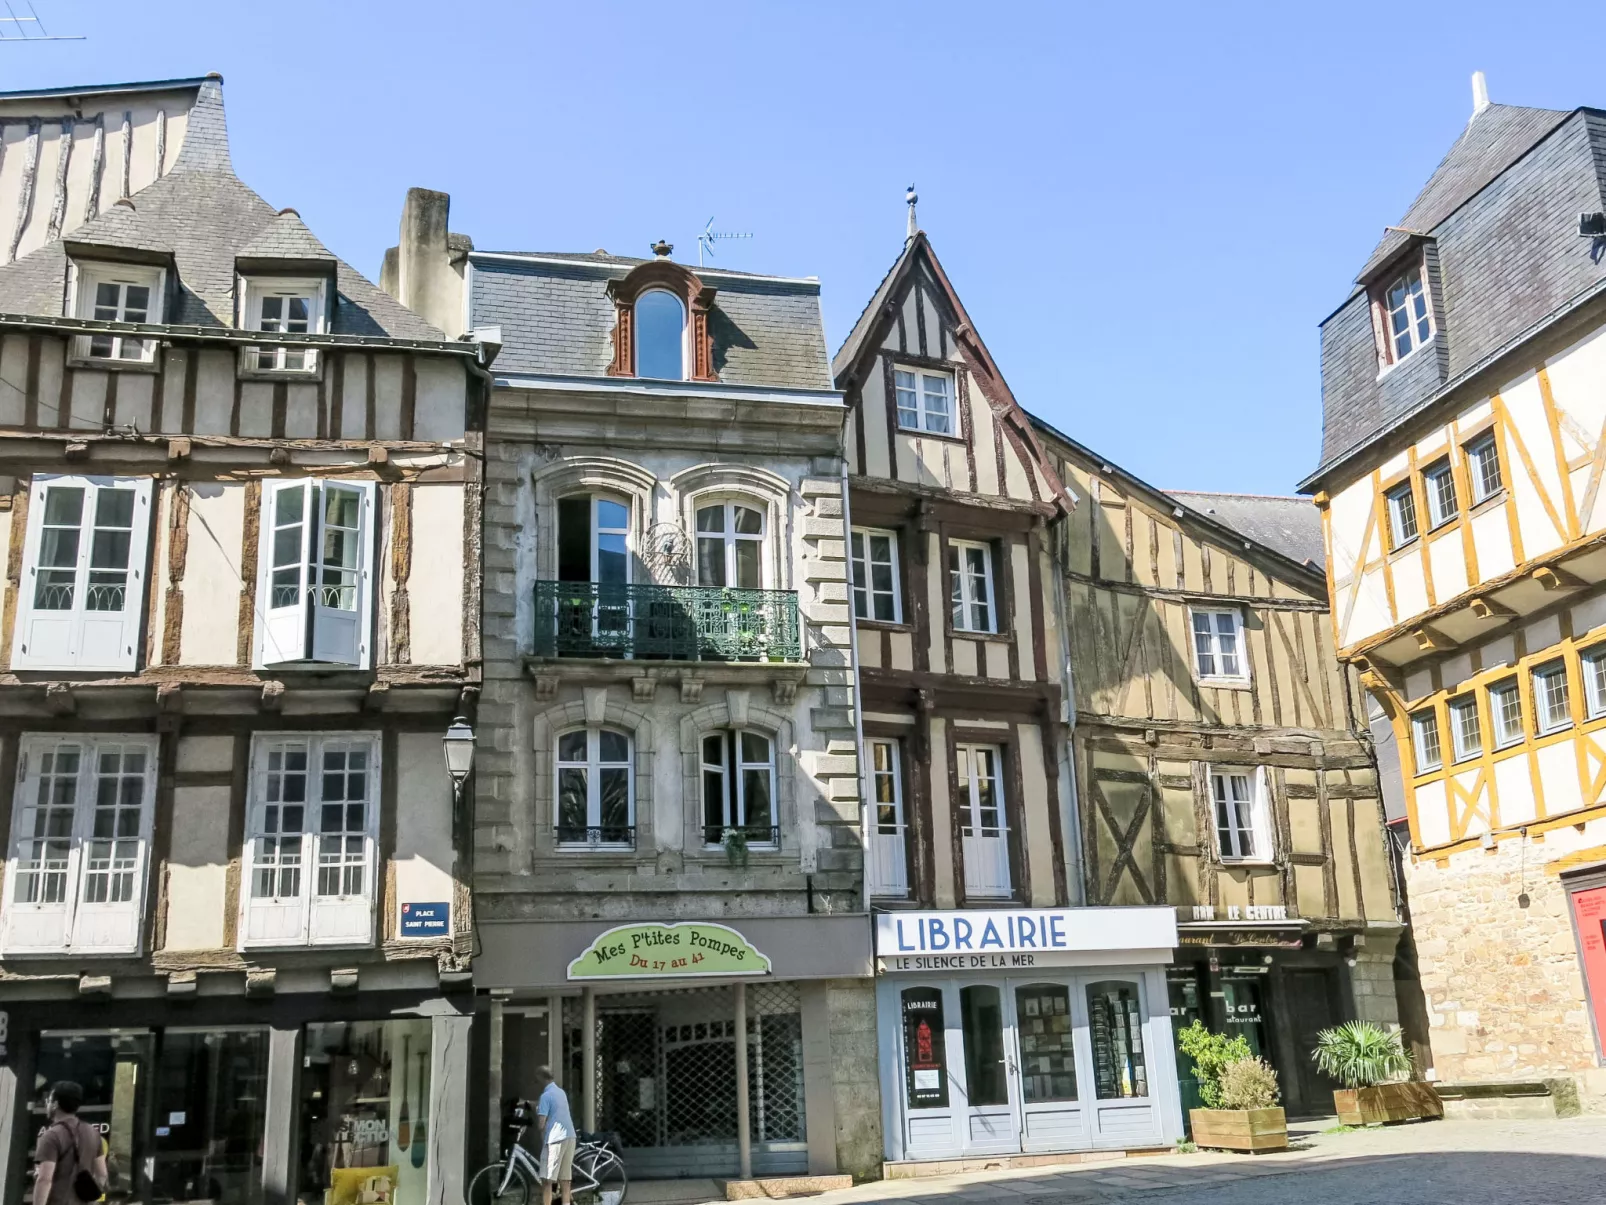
x,y
710,236
21,29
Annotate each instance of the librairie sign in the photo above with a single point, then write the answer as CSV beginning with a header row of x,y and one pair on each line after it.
x,y
980,939
654,951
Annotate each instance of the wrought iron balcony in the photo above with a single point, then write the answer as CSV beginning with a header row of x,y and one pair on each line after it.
x,y
678,623
593,836
752,834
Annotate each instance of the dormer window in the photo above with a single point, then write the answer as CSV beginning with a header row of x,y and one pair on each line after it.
x,y
1402,314
660,336
118,293
284,307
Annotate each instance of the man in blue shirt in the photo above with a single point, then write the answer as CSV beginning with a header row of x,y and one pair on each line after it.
x,y
557,1137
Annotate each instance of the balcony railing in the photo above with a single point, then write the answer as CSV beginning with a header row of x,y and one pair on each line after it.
x,y
679,623
752,834
576,836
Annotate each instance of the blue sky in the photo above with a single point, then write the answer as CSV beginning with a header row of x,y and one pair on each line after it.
x,y
1147,209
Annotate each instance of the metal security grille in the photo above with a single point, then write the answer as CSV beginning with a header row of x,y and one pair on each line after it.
x,y
775,1063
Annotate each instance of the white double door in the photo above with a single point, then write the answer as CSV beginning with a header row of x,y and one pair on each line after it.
x,y
1033,1064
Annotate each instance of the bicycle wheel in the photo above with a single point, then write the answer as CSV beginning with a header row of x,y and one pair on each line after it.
x,y
607,1171
492,1185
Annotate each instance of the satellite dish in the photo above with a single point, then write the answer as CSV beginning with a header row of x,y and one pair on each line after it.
x,y
667,554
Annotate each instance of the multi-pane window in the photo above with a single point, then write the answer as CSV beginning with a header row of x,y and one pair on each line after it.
x,y
730,546
886,789
925,401
1552,711
1425,738
1218,644
118,293
287,308
594,788
738,768
1406,319
970,570
1466,733
1483,468
79,844
1402,515
1438,482
1505,712
1240,826
983,821
314,593
875,574
84,573
311,840
1594,668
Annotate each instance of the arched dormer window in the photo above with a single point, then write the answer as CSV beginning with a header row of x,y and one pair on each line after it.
x,y
661,331
660,336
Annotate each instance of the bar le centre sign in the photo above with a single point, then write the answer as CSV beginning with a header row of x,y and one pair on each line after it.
x,y
658,951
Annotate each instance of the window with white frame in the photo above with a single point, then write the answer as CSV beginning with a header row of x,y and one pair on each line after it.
x,y
118,293
1425,740
1406,316
875,574
970,573
1466,732
730,545
1218,645
1505,712
1402,515
1483,468
314,594
83,577
1594,667
1243,828
80,844
925,400
313,826
284,307
983,820
1438,483
1552,706
595,790
888,869
738,768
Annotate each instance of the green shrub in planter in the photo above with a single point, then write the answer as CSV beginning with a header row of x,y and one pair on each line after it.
x,y
1359,1054
1248,1084
1211,1052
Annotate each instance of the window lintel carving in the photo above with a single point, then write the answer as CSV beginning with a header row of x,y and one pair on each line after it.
x,y
697,297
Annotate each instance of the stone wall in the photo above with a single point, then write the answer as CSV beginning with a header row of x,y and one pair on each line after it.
x,y
1372,979
1505,993
856,1077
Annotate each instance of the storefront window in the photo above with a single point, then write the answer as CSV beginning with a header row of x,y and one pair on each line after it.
x,y
1116,1027
364,1113
1047,1060
1589,913
112,1066
1183,985
210,1094
981,1014
1242,993
924,1048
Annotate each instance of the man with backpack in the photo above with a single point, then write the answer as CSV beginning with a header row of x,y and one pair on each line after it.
x,y
70,1167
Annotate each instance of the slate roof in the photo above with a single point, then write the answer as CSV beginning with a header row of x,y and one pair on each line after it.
x,y
286,237
557,319
1498,222
1291,526
205,215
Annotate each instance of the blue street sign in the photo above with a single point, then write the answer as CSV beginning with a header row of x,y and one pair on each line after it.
x,y
426,920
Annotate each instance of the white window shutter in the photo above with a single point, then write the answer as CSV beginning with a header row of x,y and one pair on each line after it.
x,y
40,924
114,854
341,606
289,511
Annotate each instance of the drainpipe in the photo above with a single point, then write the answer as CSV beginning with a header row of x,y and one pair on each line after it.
x,y
858,697
1070,811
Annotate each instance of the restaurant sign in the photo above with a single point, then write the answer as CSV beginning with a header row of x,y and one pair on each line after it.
x,y
656,951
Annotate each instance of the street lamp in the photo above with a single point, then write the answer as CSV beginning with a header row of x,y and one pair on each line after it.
x,y
458,745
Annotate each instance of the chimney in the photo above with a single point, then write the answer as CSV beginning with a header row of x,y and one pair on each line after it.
x,y
1480,93
418,271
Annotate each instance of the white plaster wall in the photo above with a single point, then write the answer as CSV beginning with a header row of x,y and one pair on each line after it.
x,y
435,585
197,874
212,575
423,859
438,406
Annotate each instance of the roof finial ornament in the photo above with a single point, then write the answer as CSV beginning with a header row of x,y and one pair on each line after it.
x,y
912,198
662,249
1480,93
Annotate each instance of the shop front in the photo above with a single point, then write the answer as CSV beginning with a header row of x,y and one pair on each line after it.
x,y
705,1046
1025,1031
307,1098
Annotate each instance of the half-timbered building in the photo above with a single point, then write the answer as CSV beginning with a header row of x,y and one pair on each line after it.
x,y
238,494
1463,381
1010,1021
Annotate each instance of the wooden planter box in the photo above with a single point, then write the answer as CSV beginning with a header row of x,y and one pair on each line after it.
x,y
1240,1129
1386,1102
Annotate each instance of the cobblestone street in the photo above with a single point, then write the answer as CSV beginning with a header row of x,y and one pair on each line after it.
x,y
1464,1162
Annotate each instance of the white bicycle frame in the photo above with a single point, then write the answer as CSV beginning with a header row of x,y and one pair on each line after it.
x,y
519,1157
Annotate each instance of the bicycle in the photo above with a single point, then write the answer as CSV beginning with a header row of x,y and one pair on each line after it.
x,y
599,1171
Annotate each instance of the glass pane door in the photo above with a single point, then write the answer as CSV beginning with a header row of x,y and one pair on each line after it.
x,y
991,1123
1052,1117
1121,1109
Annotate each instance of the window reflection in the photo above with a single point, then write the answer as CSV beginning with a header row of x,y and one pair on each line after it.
x,y
981,1014
1115,1025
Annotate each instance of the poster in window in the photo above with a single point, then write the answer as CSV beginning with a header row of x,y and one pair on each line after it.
x,y
1589,908
924,1050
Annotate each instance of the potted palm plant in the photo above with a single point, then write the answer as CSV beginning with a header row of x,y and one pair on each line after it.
x,y
1374,1067
1239,1092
